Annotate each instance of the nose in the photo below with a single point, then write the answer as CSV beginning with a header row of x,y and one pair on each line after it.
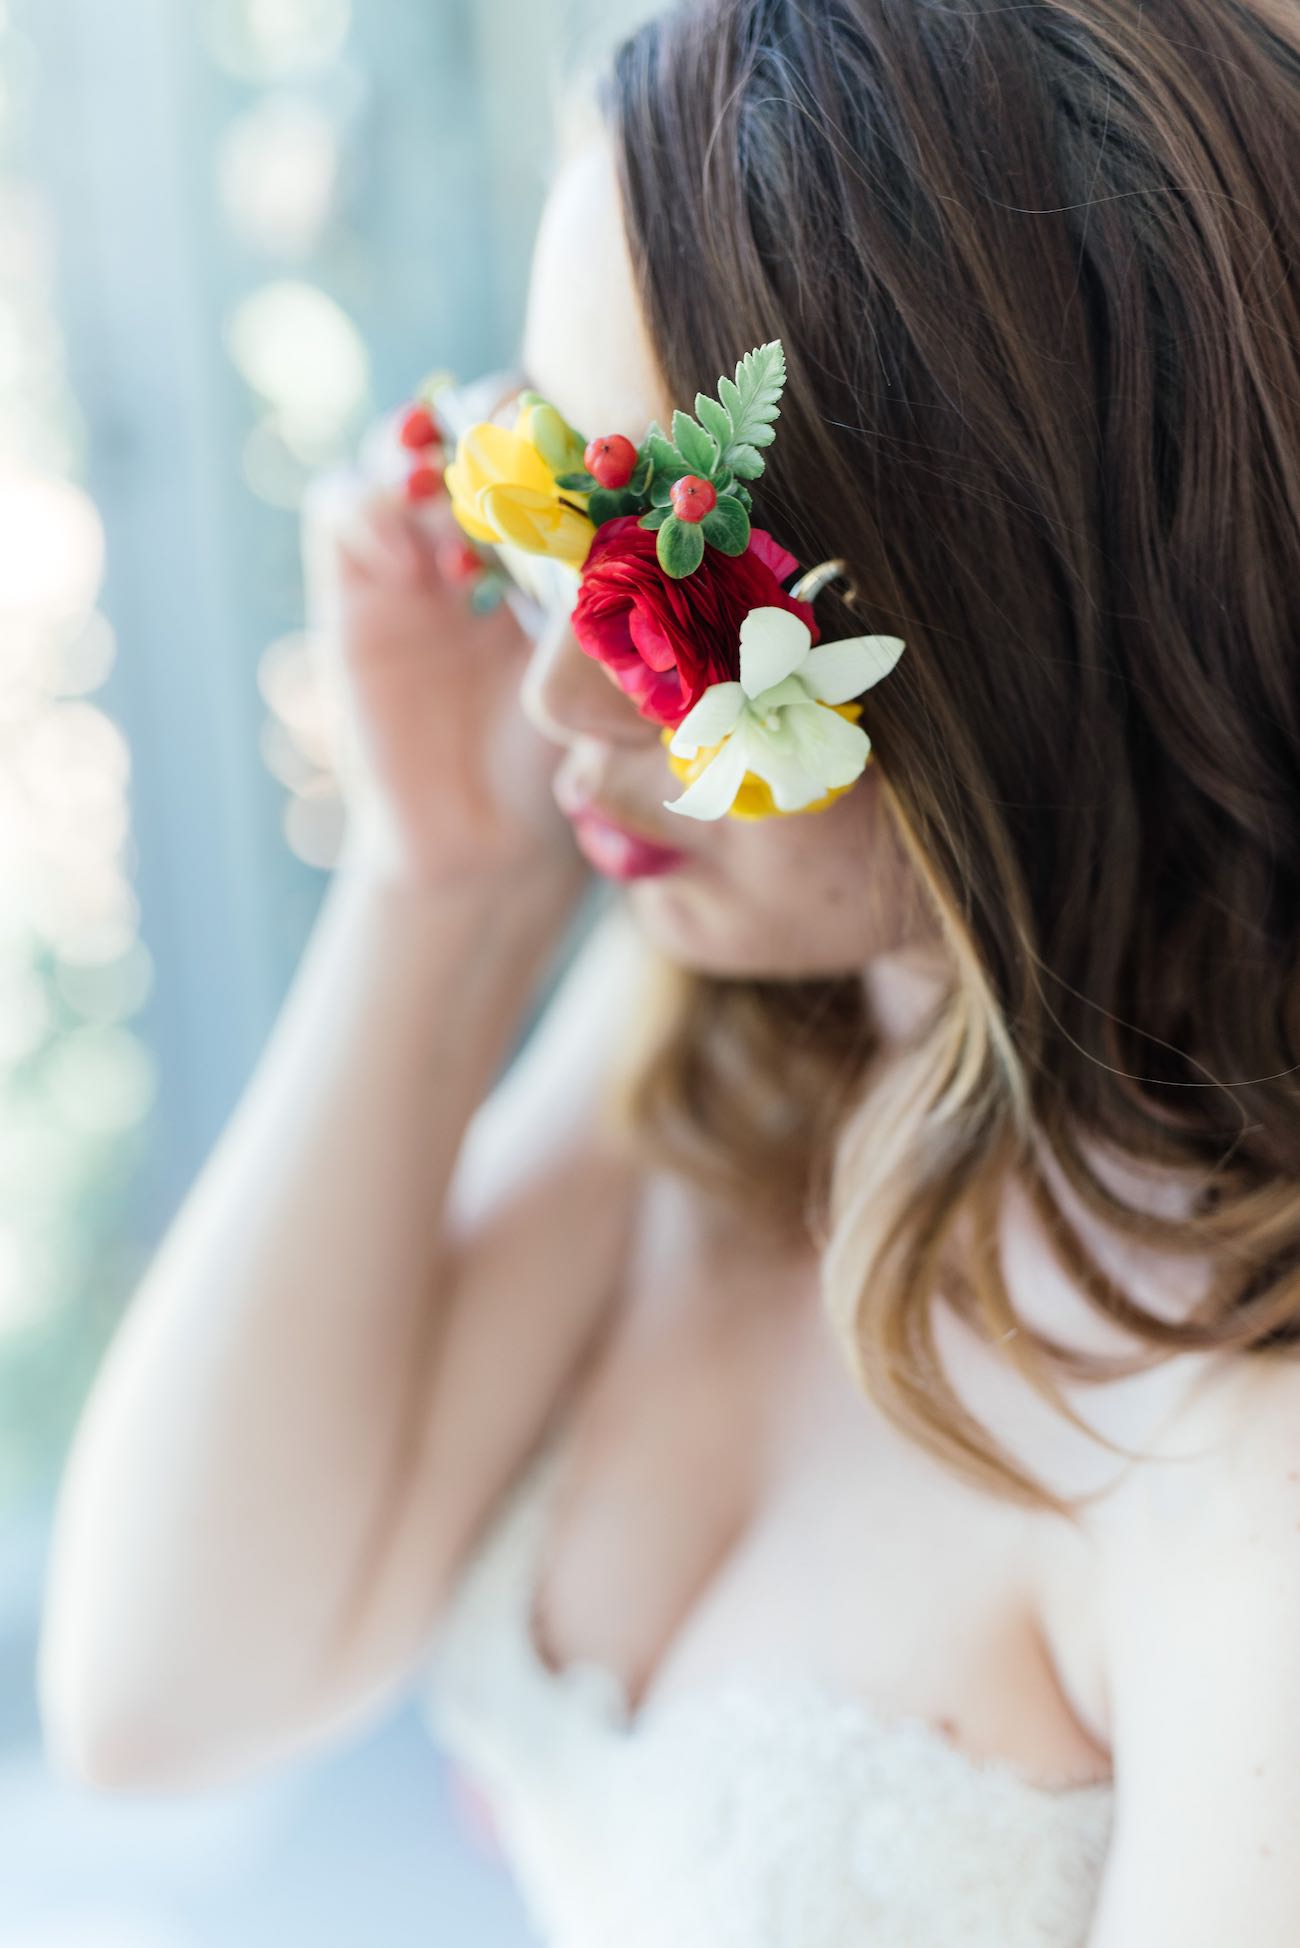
x,y
569,695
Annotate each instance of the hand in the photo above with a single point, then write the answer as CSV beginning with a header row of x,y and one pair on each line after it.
x,y
443,775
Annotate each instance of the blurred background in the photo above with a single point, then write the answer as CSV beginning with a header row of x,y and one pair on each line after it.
x,y
232,232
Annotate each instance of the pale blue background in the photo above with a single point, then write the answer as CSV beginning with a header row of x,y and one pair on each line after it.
x,y
446,146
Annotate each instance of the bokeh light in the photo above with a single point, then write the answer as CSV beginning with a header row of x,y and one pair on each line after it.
x,y
51,550
289,678
106,989
296,347
313,822
74,1079
298,744
74,664
100,1080
264,40
275,470
277,168
26,1012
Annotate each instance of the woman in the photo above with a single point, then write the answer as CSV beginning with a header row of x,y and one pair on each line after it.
x,y
830,1407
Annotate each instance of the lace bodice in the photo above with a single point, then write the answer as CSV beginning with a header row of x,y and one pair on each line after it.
x,y
765,1812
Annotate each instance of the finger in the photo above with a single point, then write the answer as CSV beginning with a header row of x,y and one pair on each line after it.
x,y
371,527
387,534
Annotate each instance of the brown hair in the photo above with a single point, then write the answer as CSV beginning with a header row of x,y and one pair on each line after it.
x,y
1035,272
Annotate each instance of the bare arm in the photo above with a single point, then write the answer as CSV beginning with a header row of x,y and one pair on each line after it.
x,y
244,1437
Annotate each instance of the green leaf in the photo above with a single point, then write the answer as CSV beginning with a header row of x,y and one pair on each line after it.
x,y
640,476
745,460
750,401
666,458
726,526
746,499
608,502
729,393
581,482
487,593
679,547
654,517
760,376
661,490
715,418
699,449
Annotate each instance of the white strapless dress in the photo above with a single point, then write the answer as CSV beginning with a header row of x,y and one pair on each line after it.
x,y
769,1811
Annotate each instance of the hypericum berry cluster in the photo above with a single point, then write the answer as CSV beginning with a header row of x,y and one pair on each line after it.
x,y
422,436
692,497
611,459
690,488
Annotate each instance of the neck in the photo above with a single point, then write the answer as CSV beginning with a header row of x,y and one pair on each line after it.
x,y
903,985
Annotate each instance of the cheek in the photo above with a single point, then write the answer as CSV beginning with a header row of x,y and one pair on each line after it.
x,y
826,881
818,859
815,894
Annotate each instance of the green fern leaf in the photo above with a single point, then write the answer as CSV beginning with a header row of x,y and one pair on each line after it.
x,y
760,377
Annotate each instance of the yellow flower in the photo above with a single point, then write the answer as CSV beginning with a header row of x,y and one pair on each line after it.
x,y
502,489
754,797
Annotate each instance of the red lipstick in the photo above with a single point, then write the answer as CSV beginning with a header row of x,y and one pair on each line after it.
x,y
615,851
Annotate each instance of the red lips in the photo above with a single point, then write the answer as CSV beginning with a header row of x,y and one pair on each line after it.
x,y
621,854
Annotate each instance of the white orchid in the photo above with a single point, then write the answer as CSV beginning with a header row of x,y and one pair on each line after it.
x,y
776,721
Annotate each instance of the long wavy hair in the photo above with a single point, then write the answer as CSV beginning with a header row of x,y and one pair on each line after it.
x,y
1036,273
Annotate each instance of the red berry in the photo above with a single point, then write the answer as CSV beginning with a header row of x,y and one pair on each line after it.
x,y
692,497
418,428
423,482
611,458
458,559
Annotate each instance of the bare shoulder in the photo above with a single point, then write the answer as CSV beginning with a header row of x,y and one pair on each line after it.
x,y
1212,1507
1213,1483
1231,1445
1252,1476
1202,1615
1252,1407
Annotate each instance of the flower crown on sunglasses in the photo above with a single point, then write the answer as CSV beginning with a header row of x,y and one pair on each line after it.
x,y
649,552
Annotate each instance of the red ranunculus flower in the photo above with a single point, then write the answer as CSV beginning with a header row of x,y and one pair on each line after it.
x,y
665,640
